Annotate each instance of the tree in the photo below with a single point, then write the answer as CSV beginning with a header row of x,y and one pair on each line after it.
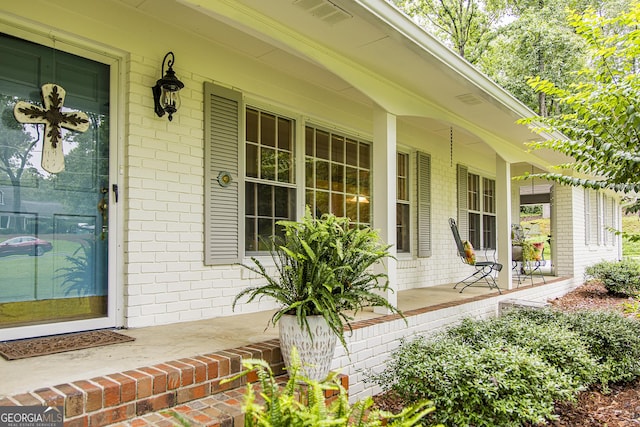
x,y
600,128
465,25
538,42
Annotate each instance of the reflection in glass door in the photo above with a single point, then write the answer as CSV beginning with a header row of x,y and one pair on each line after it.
x,y
53,226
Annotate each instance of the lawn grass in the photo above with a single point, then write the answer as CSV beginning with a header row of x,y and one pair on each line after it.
x,y
538,230
630,224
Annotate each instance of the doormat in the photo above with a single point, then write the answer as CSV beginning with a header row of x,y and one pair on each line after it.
x,y
22,349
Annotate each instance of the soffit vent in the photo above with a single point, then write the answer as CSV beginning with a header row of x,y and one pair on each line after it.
x,y
469,99
324,10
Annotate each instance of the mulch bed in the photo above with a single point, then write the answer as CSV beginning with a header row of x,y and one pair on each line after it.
x,y
22,349
618,408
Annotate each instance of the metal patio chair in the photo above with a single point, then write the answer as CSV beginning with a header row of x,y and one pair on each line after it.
x,y
524,268
485,270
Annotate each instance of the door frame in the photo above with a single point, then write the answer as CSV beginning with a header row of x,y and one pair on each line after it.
x,y
60,40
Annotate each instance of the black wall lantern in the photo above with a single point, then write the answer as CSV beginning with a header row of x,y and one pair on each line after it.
x,y
165,93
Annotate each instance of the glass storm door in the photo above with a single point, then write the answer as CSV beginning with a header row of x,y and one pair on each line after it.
x,y
53,226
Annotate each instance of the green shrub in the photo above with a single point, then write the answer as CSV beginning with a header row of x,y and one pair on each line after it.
x,y
510,370
621,278
613,340
551,340
493,385
301,402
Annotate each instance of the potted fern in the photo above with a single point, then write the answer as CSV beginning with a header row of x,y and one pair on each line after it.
x,y
323,278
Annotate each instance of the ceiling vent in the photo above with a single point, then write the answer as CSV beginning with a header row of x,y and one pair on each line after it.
x,y
324,10
469,99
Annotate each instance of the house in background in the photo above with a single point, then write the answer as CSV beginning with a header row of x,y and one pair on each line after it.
x,y
345,106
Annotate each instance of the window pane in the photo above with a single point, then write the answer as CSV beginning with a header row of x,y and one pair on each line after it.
x,y
267,163
309,141
364,183
278,232
309,180
352,180
249,198
402,227
352,208
337,149
489,231
252,125
285,134
365,216
401,164
251,161
322,145
337,204
352,152
265,200
265,231
364,155
283,201
322,175
402,191
285,171
268,129
474,192
474,229
337,177
309,200
322,203
251,239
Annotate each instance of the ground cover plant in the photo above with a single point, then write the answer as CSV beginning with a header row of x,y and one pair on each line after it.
x,y
514,370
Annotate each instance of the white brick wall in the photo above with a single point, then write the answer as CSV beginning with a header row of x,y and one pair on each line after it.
x,y
573,253
163,247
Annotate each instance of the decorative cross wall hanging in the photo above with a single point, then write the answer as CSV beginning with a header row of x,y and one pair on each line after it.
x,y
54,120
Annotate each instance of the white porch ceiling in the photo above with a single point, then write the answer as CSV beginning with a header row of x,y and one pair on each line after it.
x,y
368,51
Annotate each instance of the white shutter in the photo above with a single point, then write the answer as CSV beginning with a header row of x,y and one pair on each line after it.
x,y
463,202
222,127
423,161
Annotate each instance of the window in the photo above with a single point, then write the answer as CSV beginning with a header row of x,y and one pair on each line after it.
x,y
601,220
337,175
592,217
481,193
587,217
270,179
610,222
403,229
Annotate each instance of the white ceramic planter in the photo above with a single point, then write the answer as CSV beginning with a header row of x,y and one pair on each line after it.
x,y
316,355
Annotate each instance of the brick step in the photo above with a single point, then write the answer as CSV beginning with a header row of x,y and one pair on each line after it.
x,y
223,409
220,410
129,395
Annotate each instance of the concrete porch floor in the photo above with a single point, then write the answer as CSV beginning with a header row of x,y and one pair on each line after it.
x,y
159,344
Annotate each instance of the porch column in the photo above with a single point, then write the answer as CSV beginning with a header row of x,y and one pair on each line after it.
x,y
503,220
383,193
